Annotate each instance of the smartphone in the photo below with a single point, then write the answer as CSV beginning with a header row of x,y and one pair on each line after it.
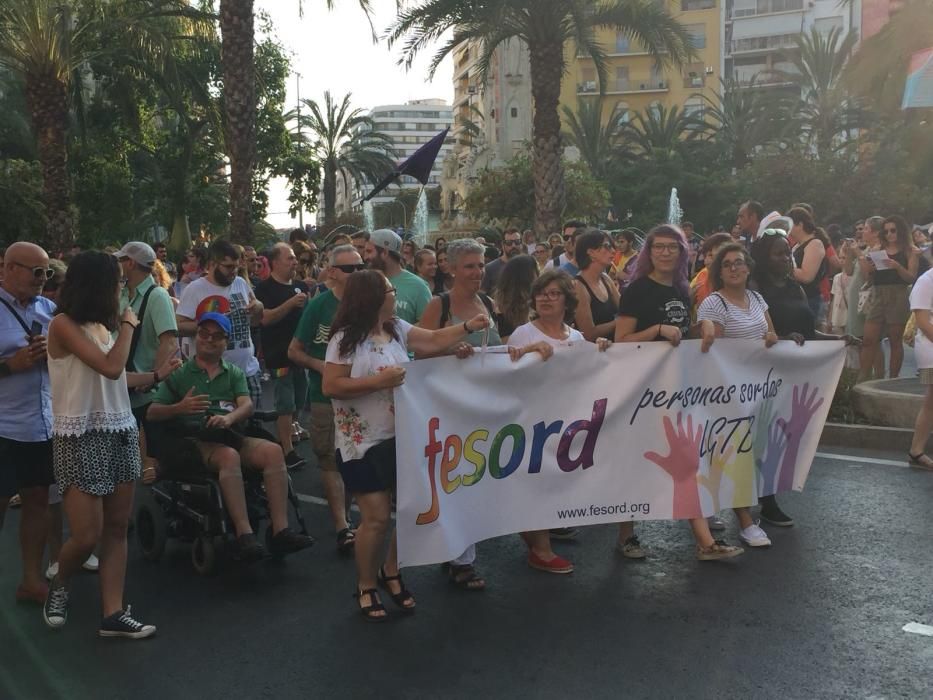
x,y
35,329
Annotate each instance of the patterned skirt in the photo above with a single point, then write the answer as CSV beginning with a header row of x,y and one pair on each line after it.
x,y
96,461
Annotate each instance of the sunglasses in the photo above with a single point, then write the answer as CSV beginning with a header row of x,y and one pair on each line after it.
x,y
350,269
40,273
518,242
774,232
205,334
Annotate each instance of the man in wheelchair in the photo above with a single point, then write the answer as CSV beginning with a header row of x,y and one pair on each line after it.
x,y
207,399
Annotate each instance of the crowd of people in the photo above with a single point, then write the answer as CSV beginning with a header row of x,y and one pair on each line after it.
x,y
100,353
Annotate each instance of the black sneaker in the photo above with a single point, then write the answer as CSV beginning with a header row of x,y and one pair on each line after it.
x,y
122,624
294,461
247,548
286,541
563,533
55,610
771,513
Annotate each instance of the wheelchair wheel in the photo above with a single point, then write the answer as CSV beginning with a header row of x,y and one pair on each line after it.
x,y
204,555
151,529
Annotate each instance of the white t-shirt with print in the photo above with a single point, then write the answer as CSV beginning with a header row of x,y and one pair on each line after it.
x,y
367,420
921,299
530,333
240,351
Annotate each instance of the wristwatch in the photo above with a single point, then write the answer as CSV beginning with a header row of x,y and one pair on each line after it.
x,y
5,370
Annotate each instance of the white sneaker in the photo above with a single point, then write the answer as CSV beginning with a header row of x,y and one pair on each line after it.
x,y
52,571
92,564
754,536
716,523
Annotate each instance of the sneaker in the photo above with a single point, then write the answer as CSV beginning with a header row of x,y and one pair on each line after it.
x,y
55,610
293,460
771,513
247,548
754,536
716,523
563,533
631,548
286,541
52,571
718,550
299,433
122,624
557,565
15,502
32,595
92,564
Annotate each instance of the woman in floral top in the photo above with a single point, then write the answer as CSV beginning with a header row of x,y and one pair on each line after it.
x,y
364,363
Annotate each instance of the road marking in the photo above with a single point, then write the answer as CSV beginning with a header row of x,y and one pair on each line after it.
x,y
863,460
917,628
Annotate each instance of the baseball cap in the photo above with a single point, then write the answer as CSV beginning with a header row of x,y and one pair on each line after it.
x,y
217,318
386,239
137,251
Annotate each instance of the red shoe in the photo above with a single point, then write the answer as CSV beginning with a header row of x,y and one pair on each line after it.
x,y
557,565
32,595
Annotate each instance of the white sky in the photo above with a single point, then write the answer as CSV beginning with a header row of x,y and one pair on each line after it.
x,y
334,51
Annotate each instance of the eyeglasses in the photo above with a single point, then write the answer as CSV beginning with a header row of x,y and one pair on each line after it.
x,y
549,294
349,269
205,334
38,272
735,265
665,248
390,290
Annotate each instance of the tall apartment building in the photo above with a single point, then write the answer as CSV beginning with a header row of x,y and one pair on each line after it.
x,y
410,126
761,34
500,112
635,84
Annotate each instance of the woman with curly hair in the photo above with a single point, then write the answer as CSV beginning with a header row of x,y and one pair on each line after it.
x,y
365,360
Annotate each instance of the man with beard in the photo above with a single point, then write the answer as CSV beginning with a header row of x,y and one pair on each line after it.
x,y
384,253
511,246
222,291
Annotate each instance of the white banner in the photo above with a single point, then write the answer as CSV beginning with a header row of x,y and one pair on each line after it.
x,y
488,447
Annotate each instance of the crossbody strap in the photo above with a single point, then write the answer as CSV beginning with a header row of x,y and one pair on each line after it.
x,y
138,331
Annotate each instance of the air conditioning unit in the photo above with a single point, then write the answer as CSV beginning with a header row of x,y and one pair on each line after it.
x,y
642,87
661,84
471,90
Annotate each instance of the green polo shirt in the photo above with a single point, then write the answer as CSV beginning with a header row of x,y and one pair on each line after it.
x,y
158,319
222,391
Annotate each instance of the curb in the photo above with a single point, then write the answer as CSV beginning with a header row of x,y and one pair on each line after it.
x,y
872,437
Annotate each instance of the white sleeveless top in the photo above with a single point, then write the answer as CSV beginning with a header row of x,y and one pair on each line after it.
x,y
83,400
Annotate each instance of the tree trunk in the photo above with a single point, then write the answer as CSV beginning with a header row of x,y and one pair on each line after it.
x,y
330,192
48,105
236,54
547,68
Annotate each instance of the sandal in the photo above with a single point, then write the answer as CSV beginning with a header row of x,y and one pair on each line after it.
x,y
346,539
371,611
464,577
921,461
403,598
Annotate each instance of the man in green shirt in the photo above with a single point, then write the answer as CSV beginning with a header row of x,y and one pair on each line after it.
x,y
384,253
211,395
307,349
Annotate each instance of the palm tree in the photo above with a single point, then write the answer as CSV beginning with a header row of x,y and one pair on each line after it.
x,y
546,27
745,118
826,113
597,141
887,54
238,67
345,142
661,131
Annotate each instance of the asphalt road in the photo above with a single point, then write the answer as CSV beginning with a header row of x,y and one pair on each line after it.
x,y
819,615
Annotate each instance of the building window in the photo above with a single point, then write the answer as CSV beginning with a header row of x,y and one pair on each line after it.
x,y
622,82
697,34
688,5
694,108
622,43
827,24
514,112
624,112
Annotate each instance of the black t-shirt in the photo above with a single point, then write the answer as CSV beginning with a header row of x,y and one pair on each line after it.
x,y
651,303
789,310
275,338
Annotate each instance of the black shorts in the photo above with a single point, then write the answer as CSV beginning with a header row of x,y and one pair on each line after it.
x,y
24,465
374,471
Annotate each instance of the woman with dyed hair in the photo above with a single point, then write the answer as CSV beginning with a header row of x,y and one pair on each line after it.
x,y
368,349
656,307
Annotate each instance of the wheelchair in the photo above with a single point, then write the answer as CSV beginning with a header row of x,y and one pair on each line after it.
x,y
185,503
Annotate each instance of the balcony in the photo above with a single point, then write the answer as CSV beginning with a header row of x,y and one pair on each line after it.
x,y
764,43
620,86
767,7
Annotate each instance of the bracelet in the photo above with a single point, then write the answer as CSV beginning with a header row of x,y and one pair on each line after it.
x,y
466,328
658,336
129,323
